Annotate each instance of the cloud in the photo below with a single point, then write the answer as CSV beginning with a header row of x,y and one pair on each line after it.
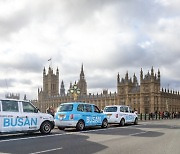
x,y
106,36
22,62
5,83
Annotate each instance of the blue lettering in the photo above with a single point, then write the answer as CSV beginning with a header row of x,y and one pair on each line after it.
x,y
15,122
6,122
10,122
27,122
94,119
20,121
33,121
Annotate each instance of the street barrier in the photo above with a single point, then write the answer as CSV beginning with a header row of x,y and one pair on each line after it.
x,y
157,116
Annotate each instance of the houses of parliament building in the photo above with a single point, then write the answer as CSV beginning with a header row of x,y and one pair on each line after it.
x,y
146,97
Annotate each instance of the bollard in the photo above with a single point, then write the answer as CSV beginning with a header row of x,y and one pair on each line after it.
x,y
141,116
145,116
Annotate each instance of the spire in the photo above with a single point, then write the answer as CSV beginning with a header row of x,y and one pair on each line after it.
x,y
62,90
44,71
49,70
57,71
134,78
62,84
82,72
141,74
158,74
118,78
82,68
126,78
152,71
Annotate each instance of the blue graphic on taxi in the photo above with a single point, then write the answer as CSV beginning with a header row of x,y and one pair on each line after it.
x,y
13,122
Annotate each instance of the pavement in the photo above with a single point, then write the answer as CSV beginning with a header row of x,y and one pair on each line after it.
x,y
148,137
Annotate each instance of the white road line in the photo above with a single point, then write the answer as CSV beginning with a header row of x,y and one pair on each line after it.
x,y
30,138
47,151
69,133
138,133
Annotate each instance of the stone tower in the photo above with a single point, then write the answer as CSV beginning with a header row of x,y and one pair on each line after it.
x,y
125,88
149,92
82,85
62,90
50,82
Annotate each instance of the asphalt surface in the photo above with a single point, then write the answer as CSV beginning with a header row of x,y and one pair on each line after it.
x,y
151,137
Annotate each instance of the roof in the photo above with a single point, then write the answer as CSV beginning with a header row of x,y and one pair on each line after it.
x,y
10,99
117,106
76,103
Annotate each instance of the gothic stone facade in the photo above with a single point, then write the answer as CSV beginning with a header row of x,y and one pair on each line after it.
x,y
145,97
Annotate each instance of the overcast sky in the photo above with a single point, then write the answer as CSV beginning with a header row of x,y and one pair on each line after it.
x,y
107,36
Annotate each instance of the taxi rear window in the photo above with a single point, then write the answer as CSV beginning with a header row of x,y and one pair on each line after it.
x,y
110,109
10,106
65,108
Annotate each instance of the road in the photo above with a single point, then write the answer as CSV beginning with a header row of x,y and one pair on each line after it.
x,y
150,137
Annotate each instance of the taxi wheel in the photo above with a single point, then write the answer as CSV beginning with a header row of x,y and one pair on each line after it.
x,y
122,122
61,128
45,127
136,121
80,125
104,123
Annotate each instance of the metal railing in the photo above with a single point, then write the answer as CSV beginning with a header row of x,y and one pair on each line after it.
x,y
157,116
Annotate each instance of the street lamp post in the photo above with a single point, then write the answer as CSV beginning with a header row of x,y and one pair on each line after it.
x,y
75,91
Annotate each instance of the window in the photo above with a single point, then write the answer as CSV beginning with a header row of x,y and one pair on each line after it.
x,y
27,107
126,109
110,109
80,108
96,109
10,106
131,111
87,108
121,109
65,107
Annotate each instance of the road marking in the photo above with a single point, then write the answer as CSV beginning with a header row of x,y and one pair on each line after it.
x,y
69,133
30,138
138,133
45,151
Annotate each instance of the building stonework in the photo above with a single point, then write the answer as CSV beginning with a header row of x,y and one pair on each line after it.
x,y
145,97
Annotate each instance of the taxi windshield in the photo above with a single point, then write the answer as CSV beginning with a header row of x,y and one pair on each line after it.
x,y
65,107
110,109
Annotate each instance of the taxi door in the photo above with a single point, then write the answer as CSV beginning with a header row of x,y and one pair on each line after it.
x,y
10,111
97,116
131,115
127,114
31,117
87,115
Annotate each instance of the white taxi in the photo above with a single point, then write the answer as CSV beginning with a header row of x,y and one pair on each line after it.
x,y
22,116
120,114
